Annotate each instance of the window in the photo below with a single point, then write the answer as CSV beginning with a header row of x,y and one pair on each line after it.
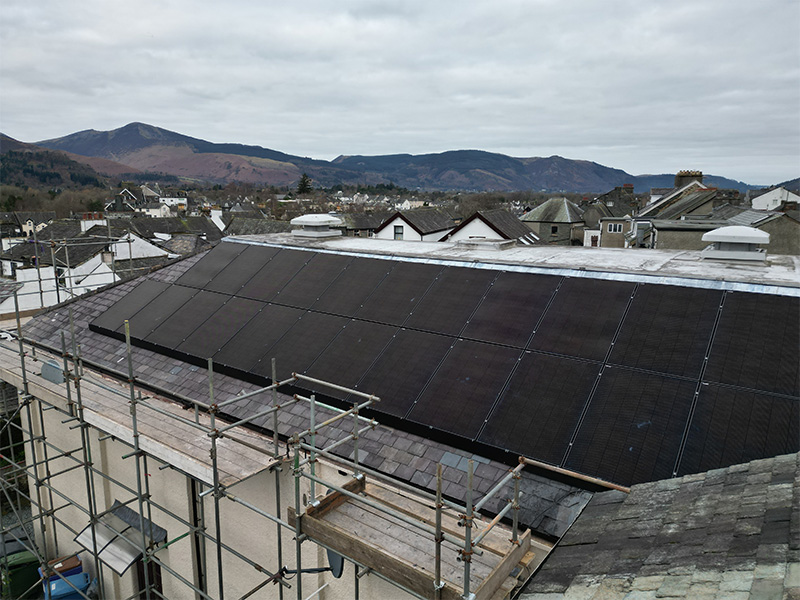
x,y
554,230
595,241
615,228
398,232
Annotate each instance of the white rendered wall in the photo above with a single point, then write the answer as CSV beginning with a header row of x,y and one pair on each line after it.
x,y
474,229
774,198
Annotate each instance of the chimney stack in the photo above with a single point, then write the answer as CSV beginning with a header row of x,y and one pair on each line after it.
x,y
684,177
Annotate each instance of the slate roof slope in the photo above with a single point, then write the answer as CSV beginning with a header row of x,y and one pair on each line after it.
x,y
727,534
686,204
554,210
754,218
238,225
506,225
423,220
548,506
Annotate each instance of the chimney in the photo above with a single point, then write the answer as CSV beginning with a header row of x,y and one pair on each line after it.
x,y
683,178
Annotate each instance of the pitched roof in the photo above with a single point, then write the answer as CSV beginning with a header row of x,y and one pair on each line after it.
x,y
360,221
754,218
147,227
247,226
685,204
727,533
554,210
423,220
669,197
185,243
506,225
37,217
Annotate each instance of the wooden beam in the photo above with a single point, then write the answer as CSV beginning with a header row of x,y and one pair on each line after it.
x,y
414,577
334,499
495,580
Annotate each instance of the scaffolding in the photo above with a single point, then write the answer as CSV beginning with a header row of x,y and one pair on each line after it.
x,y
453,532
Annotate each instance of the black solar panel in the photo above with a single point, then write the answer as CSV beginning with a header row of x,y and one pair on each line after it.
x,y
756,344
633,428
310,283
271,278
210,265
463,390
233,277
350,355
733,426
399,293
114,318
450,301
211,335
160,310
403,368
512,308
583,318
246,347
180,325
539,411
667,329
301,345
353,286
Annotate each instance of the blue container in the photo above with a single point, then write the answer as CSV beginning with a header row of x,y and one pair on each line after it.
x,y
58,589
66,565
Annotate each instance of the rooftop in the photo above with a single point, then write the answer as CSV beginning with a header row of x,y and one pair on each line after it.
x,y
678,267
725,534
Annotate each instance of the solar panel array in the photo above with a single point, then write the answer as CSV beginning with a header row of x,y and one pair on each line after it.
x,y
627,382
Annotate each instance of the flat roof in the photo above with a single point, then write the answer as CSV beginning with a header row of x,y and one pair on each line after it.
x,y
779,275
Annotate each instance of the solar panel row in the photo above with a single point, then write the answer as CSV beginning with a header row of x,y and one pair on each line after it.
x,y
598,376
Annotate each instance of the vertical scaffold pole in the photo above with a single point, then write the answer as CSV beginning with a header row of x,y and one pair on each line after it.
x,y
91,497
215,477
38,267
32,438
515,508
437,582
137,452
313,457
468,530
275,441
298,542
356,471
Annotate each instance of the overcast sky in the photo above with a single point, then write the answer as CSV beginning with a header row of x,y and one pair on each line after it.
x,y
645,86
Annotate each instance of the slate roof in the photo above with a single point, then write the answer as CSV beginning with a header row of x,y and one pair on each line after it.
x,y
548,506
754,218
185,243
139,266
423,220
147,227
554,210
81,247
726,534
506,225
249,226
36,217
360,221
686,204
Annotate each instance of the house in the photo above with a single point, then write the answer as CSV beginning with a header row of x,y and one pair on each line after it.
x,y
435,402
556,221
771,199
422,224
249,226
360,224
30,221
493,225
155,209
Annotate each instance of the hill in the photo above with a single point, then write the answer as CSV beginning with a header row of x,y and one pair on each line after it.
x,y
147,148
26,165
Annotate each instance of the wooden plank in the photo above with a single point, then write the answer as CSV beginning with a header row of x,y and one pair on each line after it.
x,y
414,577
497,541
334,499
489,586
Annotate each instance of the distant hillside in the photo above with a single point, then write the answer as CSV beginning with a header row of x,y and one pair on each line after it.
x,y
152,149
26,165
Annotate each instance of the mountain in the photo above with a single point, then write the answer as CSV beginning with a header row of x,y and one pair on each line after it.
x,y
146,148
27,165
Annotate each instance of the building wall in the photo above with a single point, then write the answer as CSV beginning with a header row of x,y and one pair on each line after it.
x,y
31,296
136,248
475,229
387,233
668,239
774,198
610,239
784,235
589,236
560,234
245,531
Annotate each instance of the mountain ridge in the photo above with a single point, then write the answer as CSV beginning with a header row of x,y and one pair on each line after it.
x,y
149,148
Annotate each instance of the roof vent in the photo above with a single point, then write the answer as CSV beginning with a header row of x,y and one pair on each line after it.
x,y
316,226
736,242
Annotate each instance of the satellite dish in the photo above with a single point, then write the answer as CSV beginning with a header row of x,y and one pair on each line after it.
x,y
336,563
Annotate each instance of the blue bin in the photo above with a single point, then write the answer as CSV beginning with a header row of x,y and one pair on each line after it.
x,y
58,589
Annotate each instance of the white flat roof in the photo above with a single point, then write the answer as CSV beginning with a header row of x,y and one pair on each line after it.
x,y
779,275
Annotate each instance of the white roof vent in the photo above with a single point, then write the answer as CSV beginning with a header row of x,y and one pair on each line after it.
x,y
736,242
316,226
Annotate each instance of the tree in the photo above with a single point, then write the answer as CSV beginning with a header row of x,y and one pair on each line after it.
x,y
304,186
